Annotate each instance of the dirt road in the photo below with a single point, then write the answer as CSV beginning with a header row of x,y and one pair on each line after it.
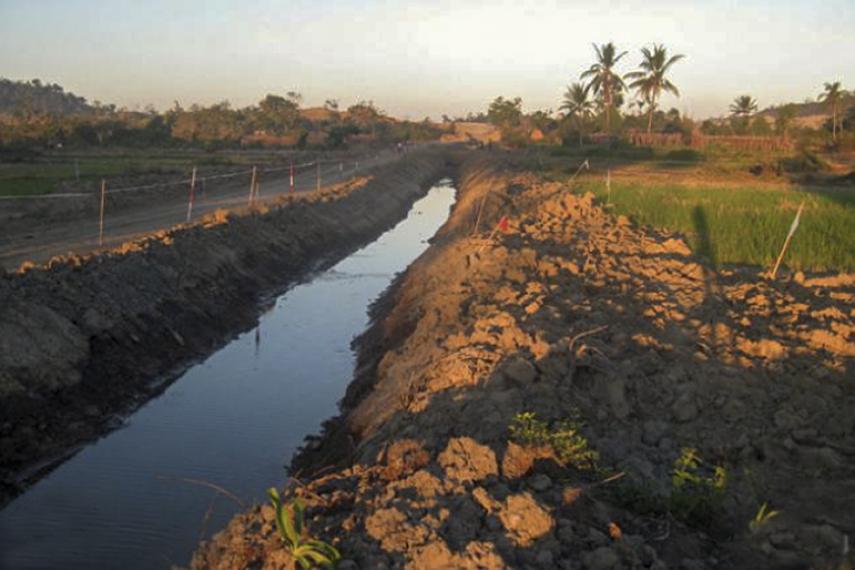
x,y
38,238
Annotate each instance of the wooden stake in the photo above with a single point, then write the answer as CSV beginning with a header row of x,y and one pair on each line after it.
x,y
252,186
480,210
192,193
319,176
792,231
101,223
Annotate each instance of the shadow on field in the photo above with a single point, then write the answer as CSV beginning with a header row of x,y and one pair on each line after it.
x,y
702,230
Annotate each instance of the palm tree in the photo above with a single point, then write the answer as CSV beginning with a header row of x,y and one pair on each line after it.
x,y
743,106
832,95
604,81
650,80
577,104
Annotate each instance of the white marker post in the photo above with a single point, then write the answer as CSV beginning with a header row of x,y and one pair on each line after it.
x,y
792,231
608,186
252,186
101,222
292,176
192,192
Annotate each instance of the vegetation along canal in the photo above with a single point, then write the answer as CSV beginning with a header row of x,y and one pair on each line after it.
x,y
142,497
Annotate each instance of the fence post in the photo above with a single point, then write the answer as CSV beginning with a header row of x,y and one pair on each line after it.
x,y
192,192
292,176
319,176
101,222
251,186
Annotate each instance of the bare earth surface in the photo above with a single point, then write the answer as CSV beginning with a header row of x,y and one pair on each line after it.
x,y
576,315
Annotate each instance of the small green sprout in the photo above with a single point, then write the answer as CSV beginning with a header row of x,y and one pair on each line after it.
x,y
291,526
763,516
565,439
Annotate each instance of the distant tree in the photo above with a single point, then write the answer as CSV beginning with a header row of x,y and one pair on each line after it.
x,y
760,126
743,106
741,109
331,105
366,116
295,97
364,113
505,113
542,119
277,114
578,106
604,81
832,96
650,81
848,121
784,117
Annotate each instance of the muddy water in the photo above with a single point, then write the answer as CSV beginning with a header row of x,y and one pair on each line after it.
x,y
139,498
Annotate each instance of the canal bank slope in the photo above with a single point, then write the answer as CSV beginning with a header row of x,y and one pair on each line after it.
x,y
85,340
671,402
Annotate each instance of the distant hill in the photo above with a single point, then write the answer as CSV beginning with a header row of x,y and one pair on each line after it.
x,y
34,97
810,108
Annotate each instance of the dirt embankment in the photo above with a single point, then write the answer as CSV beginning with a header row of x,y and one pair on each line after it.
x,y
86,339
623,344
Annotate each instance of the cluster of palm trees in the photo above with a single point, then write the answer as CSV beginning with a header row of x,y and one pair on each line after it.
x,y
649,82
833,94
601,79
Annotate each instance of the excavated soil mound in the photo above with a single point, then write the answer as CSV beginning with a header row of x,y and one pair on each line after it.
x,y
632,354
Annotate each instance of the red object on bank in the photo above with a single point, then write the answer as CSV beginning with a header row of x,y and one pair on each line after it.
x,y
503,224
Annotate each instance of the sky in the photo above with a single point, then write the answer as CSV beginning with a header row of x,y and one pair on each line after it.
x,y
424,57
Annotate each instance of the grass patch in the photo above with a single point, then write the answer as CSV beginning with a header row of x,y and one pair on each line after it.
x,y
744,225
45,173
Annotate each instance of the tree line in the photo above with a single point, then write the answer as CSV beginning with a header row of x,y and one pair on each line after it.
x,y
36,115
593,104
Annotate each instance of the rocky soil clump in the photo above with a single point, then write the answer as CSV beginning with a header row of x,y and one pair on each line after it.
x,y
579,392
